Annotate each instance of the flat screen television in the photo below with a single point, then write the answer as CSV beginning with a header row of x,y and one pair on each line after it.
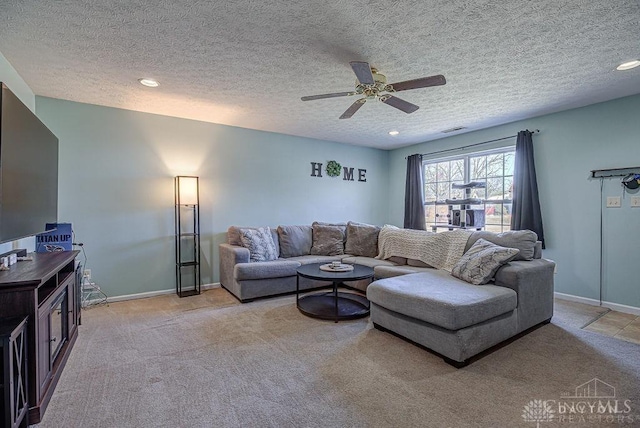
x,y
28,171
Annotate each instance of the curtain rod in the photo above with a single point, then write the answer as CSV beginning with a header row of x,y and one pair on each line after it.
x,y
476,144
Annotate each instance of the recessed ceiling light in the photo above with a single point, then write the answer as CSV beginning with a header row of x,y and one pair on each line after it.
x,y
394,133
628,65
152,83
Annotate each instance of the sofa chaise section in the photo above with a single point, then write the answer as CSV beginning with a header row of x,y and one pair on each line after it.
x,y
459,320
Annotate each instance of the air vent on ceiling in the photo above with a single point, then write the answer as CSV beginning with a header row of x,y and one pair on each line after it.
x,y
457,128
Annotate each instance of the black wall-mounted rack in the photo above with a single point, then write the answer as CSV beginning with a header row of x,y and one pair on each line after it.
x,y
615,172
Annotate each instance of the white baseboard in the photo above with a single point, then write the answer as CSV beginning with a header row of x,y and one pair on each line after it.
x,y
148,294
593,302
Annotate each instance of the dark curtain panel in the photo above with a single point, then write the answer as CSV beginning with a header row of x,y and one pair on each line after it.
x,y
526,204
414,194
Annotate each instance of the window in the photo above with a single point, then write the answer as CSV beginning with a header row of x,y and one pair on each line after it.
x,y
495,168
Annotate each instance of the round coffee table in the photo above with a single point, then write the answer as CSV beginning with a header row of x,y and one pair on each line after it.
x,y
333,305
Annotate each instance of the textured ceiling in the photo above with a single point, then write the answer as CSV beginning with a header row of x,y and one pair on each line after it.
x,y
247,63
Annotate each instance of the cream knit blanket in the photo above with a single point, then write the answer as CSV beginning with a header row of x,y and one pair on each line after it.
x,y
440,250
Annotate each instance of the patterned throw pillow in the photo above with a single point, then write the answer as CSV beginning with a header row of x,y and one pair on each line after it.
x,y
260,244
480,263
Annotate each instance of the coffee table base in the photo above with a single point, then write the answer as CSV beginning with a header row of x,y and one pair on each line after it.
x,y
328,306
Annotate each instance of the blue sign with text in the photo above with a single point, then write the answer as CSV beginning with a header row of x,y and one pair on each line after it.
x,y
58,238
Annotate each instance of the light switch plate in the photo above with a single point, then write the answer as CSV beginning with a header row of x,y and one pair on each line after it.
x,y
635,201
613,202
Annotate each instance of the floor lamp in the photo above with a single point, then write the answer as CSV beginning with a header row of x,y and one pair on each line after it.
x,y
187,235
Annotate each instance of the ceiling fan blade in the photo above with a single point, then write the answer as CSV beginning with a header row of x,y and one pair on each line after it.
x,y
319,97
363,72
353,108
398,103
424,82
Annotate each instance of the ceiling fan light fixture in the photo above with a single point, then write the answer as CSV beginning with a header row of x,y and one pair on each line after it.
x,y
394,133
151,83
628,65
370,83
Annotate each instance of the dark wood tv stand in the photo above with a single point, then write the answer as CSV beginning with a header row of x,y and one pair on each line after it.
x,y
46,291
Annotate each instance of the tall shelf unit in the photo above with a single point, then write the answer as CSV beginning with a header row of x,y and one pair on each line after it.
x,y
187,235
461,215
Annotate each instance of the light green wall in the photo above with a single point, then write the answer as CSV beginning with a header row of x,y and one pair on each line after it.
x,y
569,146
116,170
116,186
10,77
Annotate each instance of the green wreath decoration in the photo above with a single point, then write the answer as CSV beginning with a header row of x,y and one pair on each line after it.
x,y
333,168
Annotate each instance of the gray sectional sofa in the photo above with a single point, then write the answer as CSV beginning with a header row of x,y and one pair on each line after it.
x,y
408,297
248,280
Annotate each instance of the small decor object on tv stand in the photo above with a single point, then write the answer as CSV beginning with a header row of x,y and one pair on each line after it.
x,y
58,238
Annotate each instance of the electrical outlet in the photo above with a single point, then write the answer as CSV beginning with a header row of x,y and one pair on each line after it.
x,y
87,274
613,202
635,201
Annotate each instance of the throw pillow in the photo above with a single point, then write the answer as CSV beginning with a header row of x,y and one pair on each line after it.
x,y
480,263
362,239
327,240
233,235
295,240
523,240
260,244
342,226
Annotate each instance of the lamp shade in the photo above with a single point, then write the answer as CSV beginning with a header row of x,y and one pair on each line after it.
x,y
186,190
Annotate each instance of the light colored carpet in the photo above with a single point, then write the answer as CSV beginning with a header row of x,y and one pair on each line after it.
x,y
576,315
208,361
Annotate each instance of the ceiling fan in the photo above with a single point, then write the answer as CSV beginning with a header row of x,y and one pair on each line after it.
x,y
370,83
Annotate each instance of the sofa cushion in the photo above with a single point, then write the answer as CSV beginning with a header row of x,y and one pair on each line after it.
x,y
537,250
305,260
295,240
523,240
440,299
417,263
260,244
398,260
265,270
480,263
367,261
327,240
391,271
362,239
